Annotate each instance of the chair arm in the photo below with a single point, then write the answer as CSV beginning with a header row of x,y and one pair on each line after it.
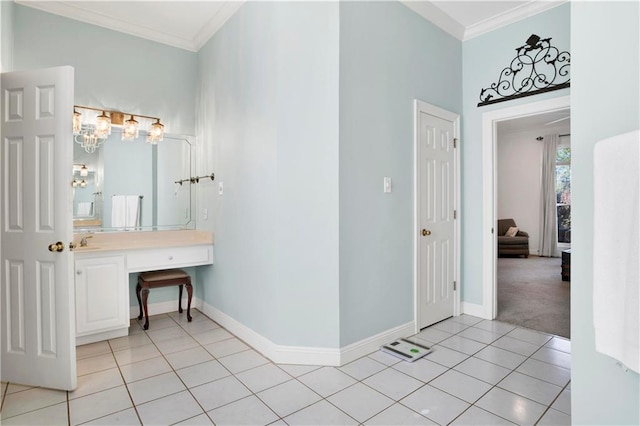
x,y
522,234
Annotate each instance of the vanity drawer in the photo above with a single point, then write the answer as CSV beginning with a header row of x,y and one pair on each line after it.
x,y
167,258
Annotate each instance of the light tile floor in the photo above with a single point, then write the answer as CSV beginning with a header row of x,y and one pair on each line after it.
x,y
480,372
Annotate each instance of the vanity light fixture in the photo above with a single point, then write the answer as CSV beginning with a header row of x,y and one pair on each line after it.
x,y
90,135
77,122
130,129
79,183
84,171
103,125
156,133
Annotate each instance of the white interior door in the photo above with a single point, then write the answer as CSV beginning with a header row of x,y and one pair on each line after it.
x,y
436,182
37,310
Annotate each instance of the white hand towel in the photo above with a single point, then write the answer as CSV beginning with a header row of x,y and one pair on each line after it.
x,y
132,214
118,210
84,209
616,235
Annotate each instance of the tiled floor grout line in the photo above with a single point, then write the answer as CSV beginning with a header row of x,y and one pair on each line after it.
x,y
549,407
124,381
5,390
68,410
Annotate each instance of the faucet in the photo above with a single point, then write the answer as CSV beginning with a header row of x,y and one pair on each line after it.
x,y
83,241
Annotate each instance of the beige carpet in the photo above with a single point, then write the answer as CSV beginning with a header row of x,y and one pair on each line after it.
x,y
531,294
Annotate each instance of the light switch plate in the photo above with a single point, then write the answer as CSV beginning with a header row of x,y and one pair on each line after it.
x,y
387,185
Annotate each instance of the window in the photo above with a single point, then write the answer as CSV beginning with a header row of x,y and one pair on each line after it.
x,y
563,193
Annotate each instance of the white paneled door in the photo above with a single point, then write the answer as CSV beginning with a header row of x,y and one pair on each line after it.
x,y
436,180
37,311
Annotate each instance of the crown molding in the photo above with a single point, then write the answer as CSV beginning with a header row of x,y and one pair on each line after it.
x,y
436,16
514,15
71,11
228,9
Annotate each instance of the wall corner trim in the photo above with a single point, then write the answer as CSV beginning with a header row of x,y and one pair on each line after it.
x,y
370,344
303,355
475,310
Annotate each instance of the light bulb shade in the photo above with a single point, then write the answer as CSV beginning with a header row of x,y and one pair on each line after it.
x,y
84,171
74,183
103,125
156,133
130,130
83,183
77,122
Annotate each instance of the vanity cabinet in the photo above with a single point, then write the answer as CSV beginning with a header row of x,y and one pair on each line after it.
x,y
102,298
103,268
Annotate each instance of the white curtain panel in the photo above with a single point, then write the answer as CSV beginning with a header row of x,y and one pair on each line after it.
x,y
549,215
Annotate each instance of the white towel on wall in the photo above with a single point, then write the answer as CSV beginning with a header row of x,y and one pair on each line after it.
x,y
616,237
84,209
132,215
125,211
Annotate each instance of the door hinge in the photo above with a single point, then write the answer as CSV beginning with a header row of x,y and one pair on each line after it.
x,y
492,230
454,286
455,214
455,142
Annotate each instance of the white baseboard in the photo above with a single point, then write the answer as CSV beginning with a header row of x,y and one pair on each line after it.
x,y
366,346
164,307
475,310
304,355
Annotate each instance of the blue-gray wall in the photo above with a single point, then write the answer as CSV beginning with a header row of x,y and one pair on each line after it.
x,y
6,36
605,102
389,56
267,120
112,70
300,155
484,57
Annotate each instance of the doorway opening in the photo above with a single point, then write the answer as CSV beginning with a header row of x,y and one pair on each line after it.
x,y
531,291
504,121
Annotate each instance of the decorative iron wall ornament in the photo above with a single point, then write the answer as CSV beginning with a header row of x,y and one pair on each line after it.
x,y
537,68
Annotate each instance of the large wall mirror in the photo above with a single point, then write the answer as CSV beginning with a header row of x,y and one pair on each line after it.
x,y
131,185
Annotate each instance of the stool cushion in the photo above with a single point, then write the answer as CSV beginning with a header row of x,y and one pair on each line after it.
x,y
163,275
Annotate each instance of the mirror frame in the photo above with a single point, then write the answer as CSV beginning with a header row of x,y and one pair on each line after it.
x,y
95,225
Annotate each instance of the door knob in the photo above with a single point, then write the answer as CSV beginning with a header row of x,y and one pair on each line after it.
x,y
425,232
59,246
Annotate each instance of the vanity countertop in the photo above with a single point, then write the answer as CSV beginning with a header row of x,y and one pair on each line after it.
x,y
133,240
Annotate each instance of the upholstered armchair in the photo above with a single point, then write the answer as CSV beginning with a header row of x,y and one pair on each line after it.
x,y
517,244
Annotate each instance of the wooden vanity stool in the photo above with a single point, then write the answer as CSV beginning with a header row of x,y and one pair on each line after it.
x,y
155,279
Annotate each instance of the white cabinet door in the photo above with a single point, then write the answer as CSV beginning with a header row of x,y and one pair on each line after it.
x,y
102,295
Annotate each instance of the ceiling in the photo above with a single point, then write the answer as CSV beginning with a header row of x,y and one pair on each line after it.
x,y
554,121
189,24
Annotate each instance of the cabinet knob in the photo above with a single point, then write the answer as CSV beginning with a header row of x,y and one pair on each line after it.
x,y
78,272
170,257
